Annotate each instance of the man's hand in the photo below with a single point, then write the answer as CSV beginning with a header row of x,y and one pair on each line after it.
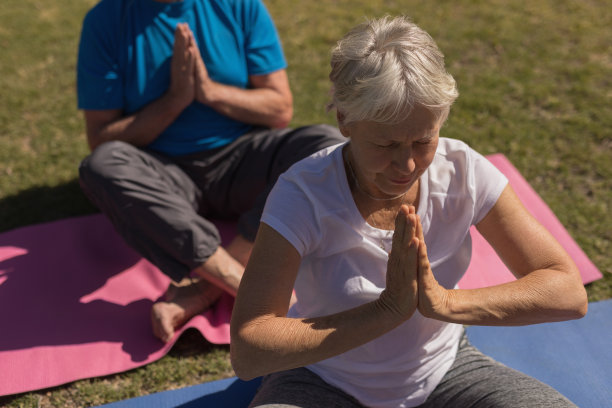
x,y
267,101
204,86
182,71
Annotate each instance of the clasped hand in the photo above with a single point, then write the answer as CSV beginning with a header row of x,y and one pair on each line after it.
x,y
189,78
411,284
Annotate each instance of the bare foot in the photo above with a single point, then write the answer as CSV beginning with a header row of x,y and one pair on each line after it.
x,y
183,301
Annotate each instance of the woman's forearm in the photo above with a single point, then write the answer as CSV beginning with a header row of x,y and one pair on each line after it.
x,y
270,343
549,287
265,341
542,296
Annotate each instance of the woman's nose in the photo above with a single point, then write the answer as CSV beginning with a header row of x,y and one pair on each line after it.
x,y
404,160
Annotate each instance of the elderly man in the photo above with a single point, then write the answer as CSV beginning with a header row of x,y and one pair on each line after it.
x,y
186,105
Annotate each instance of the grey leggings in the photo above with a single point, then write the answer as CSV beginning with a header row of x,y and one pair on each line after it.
x,y
473,381
161,205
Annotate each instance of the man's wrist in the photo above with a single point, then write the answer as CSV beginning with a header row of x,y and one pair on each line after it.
x,y
207,92
240,249
176,102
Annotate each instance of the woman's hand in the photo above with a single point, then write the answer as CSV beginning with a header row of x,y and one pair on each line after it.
x,y
433,299
400,294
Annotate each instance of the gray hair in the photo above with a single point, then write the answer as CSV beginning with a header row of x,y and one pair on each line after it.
x,y
383,68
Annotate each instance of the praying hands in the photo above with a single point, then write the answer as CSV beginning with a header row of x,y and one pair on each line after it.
x,y
411,284
189,78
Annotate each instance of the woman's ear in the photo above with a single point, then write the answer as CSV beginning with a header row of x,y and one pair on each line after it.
x,y
341,124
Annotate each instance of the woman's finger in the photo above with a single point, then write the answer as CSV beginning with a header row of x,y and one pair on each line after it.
x,y
419,229
400,226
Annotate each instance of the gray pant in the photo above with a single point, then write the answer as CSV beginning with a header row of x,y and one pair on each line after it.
x,y
473,381
161,205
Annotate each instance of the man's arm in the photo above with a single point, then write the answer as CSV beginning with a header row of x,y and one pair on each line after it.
x,y
139,129
143,127
268,102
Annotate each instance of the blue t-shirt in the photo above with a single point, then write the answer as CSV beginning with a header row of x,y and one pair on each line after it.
x,y
126,49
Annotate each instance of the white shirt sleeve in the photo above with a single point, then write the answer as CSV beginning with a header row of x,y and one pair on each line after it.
x,y
290,213
488,182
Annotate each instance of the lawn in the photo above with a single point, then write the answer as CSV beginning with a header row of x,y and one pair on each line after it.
x,y
534,82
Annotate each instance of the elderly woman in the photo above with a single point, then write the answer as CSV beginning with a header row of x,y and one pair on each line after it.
x,y
373,236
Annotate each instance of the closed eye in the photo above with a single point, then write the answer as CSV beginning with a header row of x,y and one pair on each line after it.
x,y
425,140
386,145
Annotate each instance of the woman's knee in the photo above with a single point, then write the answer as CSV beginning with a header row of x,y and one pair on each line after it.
x,y
300,388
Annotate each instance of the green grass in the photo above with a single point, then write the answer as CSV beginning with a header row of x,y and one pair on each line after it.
x,y
534,79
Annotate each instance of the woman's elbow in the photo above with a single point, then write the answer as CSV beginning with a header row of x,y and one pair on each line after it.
x,y
242,351
581,303
242,361
582,311
574,301
242,370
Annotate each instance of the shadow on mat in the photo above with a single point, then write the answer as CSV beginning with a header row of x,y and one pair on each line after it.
x,y
59,284
52,275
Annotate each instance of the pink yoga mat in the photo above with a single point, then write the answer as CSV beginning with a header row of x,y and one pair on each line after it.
x,y
75,304
75,300
486,269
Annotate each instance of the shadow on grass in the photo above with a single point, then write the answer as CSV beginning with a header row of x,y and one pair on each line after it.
x,y
43,204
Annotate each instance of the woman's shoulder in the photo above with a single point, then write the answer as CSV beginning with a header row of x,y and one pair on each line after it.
x,y
458,168
450,148
452,156
456,154
317,182
304,195
457,164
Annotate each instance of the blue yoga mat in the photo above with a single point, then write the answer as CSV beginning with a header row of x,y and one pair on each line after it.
x,y
227,393
573,357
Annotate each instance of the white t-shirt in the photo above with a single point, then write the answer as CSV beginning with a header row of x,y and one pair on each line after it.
x,y
343,265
